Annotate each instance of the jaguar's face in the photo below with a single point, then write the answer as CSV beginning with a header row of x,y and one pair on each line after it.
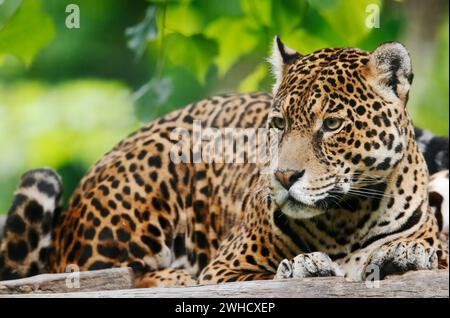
x,y
339,116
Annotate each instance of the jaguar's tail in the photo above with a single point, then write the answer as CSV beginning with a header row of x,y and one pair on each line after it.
x,y
435,150
26,239
439,199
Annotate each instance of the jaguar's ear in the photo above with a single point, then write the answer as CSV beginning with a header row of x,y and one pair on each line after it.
x,y
390,65
281,57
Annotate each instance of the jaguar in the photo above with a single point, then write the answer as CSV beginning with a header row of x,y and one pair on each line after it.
x,y
347,194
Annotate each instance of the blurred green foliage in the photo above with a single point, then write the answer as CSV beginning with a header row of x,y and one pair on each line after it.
x,y
68,95
14,37
74,112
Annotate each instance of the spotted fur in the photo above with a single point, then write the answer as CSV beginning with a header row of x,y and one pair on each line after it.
x,y
180,224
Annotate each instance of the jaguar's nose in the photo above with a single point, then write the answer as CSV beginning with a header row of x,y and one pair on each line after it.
x,y
288,177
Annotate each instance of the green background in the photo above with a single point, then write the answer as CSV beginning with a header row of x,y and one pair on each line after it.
x,y
68,95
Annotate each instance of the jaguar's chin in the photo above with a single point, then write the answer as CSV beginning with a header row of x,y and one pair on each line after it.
x,y
299,210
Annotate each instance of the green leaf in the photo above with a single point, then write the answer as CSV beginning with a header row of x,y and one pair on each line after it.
x,y
304,42
27,31
195,52
277,16
177,88
141,33
7,9
219,8
323,4
259,11
185,87
347,18
190,17
151,96
235,38
288,14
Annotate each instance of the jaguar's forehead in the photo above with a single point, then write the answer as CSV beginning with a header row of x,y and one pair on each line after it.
x,y
328,69
329,56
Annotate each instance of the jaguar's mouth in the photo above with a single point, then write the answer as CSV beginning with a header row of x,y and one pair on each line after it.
x,y
298,209
322,204
301,204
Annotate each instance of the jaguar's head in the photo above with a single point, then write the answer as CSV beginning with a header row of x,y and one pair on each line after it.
x,y
340,122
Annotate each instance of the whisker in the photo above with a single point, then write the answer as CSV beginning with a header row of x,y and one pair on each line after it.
x,y
369,194
336,201
366,193
367,190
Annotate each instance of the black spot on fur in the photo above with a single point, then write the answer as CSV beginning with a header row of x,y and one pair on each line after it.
x,y
86,253
250,259
199,210
164,190
153,230
115,219
153,244
17,251
15,224
436,201
165,224
179,246
156,204
142,154
123,235
110,250
34,211
136,250
47,188
105,234
99,265
376,106
155,161
112,204
33,238
202,260
89,233
369,161
138,179
201,239
28,182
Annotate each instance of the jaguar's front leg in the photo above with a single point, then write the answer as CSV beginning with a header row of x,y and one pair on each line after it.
x,y
239,259
316,264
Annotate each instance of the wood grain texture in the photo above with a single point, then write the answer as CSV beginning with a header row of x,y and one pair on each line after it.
x,y
109,279
410,285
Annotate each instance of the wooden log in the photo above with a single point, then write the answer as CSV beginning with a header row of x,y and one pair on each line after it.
x,y
412,284
108,279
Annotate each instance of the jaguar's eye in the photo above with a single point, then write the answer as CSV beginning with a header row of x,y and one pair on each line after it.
x,y
278,123
332,124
